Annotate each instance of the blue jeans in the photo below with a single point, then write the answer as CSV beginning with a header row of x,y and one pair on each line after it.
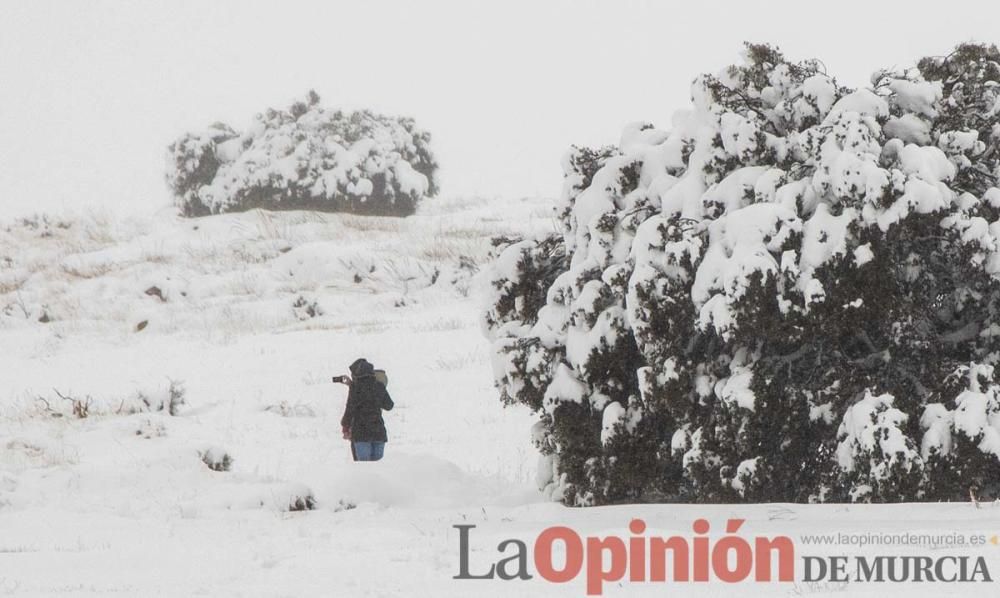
x,y
368,451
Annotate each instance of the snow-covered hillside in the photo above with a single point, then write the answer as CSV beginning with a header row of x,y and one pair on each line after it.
x,y
248,316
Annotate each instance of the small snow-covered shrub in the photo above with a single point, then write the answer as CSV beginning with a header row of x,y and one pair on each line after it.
x,y
216,459
169,399
44,225
305,309
304,502
790,295
305,157
17,307
80,406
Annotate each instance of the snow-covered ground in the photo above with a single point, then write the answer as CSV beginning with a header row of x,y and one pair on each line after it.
x,y
250,315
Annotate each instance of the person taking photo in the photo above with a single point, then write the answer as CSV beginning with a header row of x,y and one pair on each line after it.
x,y
362,422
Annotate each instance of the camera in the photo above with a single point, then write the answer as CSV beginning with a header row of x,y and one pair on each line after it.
x,y
340,379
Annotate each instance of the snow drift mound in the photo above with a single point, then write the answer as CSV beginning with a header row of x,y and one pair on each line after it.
x,y
410,481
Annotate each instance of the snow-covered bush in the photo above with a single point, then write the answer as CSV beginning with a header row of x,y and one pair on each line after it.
x,y
304,157
305,309
303,500
788,295
216,458
170,399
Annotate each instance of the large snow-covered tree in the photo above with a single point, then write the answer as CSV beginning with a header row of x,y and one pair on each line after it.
x,y
788,295
304,157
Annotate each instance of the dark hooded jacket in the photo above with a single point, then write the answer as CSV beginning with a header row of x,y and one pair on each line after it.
x,y
365,402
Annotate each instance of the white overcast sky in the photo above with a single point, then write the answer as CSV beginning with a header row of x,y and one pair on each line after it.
x,y
92,92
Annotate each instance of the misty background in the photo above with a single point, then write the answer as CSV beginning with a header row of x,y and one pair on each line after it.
x,y
92,92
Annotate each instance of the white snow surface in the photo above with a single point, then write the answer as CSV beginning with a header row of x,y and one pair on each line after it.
x,y
121,503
